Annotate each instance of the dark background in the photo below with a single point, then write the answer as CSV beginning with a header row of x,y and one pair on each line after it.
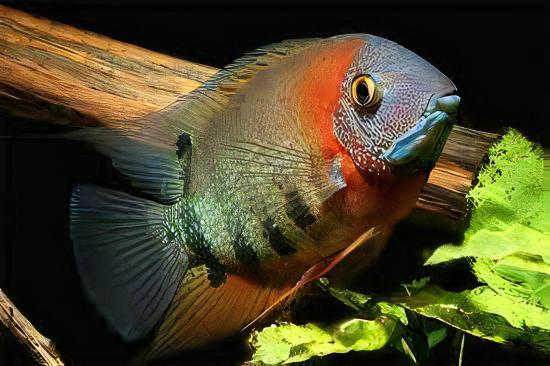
x,y
494,51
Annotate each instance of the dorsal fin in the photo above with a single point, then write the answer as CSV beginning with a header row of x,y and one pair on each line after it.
x,y
192,113
244,68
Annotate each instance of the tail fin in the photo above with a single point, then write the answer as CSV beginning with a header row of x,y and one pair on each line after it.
x,y
129,260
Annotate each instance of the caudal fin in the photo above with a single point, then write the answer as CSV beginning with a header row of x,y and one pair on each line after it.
x,y
129,259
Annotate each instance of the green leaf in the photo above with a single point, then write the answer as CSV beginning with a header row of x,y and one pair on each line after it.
x,y
416,285
352,299
395,311
365,304
510,206
406,349
436,336
482,313
287,343
523,277
509,240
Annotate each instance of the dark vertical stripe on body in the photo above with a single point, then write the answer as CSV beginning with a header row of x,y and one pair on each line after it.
x,y
244,252
184,152
298,211
278,241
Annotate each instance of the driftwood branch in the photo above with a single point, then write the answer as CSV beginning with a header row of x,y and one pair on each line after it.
x,y
455,171
40,347
60,74
50,70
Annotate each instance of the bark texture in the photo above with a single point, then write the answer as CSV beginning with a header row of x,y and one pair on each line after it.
x,y
41,348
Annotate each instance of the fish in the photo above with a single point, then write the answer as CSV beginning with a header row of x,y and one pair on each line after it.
x,y
259,181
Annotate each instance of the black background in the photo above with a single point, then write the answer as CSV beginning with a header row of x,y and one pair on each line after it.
x,y
494,51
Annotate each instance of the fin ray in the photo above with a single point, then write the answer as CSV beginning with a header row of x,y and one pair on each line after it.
x,y
198,308
129,267
151,167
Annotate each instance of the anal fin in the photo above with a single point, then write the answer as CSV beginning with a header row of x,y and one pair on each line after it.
x,y
200,313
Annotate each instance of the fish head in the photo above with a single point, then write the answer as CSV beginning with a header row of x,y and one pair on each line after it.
x,y
381,112
395,109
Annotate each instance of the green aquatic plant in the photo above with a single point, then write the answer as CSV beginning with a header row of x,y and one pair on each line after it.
x,y
507,246
510,206
287,343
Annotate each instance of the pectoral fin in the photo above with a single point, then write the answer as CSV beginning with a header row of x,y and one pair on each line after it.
x,y
317,271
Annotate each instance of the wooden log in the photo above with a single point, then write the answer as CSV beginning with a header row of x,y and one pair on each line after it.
x,y
41,348
454,173
45,66
60,74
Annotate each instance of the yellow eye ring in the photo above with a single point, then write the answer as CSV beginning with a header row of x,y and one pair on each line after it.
x,y
364,91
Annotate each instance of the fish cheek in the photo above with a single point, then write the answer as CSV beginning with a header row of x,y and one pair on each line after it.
x,y
363,204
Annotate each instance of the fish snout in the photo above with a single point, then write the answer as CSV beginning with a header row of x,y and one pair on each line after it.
x,y
420,147
448,104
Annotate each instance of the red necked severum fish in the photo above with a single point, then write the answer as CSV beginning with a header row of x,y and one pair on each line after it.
x,y
278,162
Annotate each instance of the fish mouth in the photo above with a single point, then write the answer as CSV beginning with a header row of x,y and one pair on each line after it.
x,y
419,148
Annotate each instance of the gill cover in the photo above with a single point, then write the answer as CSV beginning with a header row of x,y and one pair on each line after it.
x,y
381,117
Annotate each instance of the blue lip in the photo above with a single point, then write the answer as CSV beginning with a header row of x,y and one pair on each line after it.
x,y
420,147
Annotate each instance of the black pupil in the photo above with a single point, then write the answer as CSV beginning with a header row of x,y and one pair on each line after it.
x,y
362,92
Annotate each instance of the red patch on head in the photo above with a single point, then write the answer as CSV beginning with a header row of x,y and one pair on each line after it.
x,y
318,93
319,90
373,198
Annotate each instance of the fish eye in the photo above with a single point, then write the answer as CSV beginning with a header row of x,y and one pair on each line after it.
x,y
364,92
